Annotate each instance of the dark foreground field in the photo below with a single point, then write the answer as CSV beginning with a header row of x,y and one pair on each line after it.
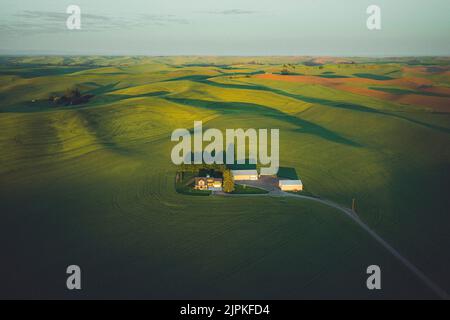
x,y
93,185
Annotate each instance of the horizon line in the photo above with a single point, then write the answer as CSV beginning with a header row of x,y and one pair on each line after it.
x,y
224,55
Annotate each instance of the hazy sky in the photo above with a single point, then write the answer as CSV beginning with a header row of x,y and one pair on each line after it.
x,y
226,27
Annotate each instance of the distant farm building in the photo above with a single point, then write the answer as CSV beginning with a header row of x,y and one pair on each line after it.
x,y
244,174
290,185
208,183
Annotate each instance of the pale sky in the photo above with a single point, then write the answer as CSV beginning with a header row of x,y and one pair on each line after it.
x,y
226,27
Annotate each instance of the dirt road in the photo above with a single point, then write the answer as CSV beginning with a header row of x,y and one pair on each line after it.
x,y
270,184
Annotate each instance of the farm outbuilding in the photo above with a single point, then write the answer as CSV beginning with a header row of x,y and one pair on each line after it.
x,y
290,185
244,174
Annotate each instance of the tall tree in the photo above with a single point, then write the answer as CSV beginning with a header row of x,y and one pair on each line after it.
x,y
228,182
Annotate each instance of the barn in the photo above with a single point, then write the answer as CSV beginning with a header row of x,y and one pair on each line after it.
x,y
244,174
290,185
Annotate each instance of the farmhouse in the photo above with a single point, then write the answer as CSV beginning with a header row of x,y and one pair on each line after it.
x,y
244,174
290,185
208,183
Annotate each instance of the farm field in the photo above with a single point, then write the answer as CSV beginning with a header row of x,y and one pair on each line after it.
x,y
93,184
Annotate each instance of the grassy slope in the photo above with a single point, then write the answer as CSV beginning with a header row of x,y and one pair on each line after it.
x,y
93,185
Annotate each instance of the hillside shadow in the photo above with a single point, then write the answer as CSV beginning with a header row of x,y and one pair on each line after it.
x,y
399,91
101,94
324,102
303,126
104,93
330,103
332,76
118,97
104,138
31,71
204,78
373,76
101,89
194,77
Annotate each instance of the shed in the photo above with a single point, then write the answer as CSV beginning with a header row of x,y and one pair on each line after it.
x,y
244,174
290,185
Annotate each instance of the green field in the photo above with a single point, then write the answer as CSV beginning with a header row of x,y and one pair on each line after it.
x,y
94,185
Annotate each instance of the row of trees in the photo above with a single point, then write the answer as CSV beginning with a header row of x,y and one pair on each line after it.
x,y
287,69
197,167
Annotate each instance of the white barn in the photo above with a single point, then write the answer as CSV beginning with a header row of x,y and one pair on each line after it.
x,y
244,174
290,185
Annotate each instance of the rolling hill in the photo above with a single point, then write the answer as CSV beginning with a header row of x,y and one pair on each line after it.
x,y
93,184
